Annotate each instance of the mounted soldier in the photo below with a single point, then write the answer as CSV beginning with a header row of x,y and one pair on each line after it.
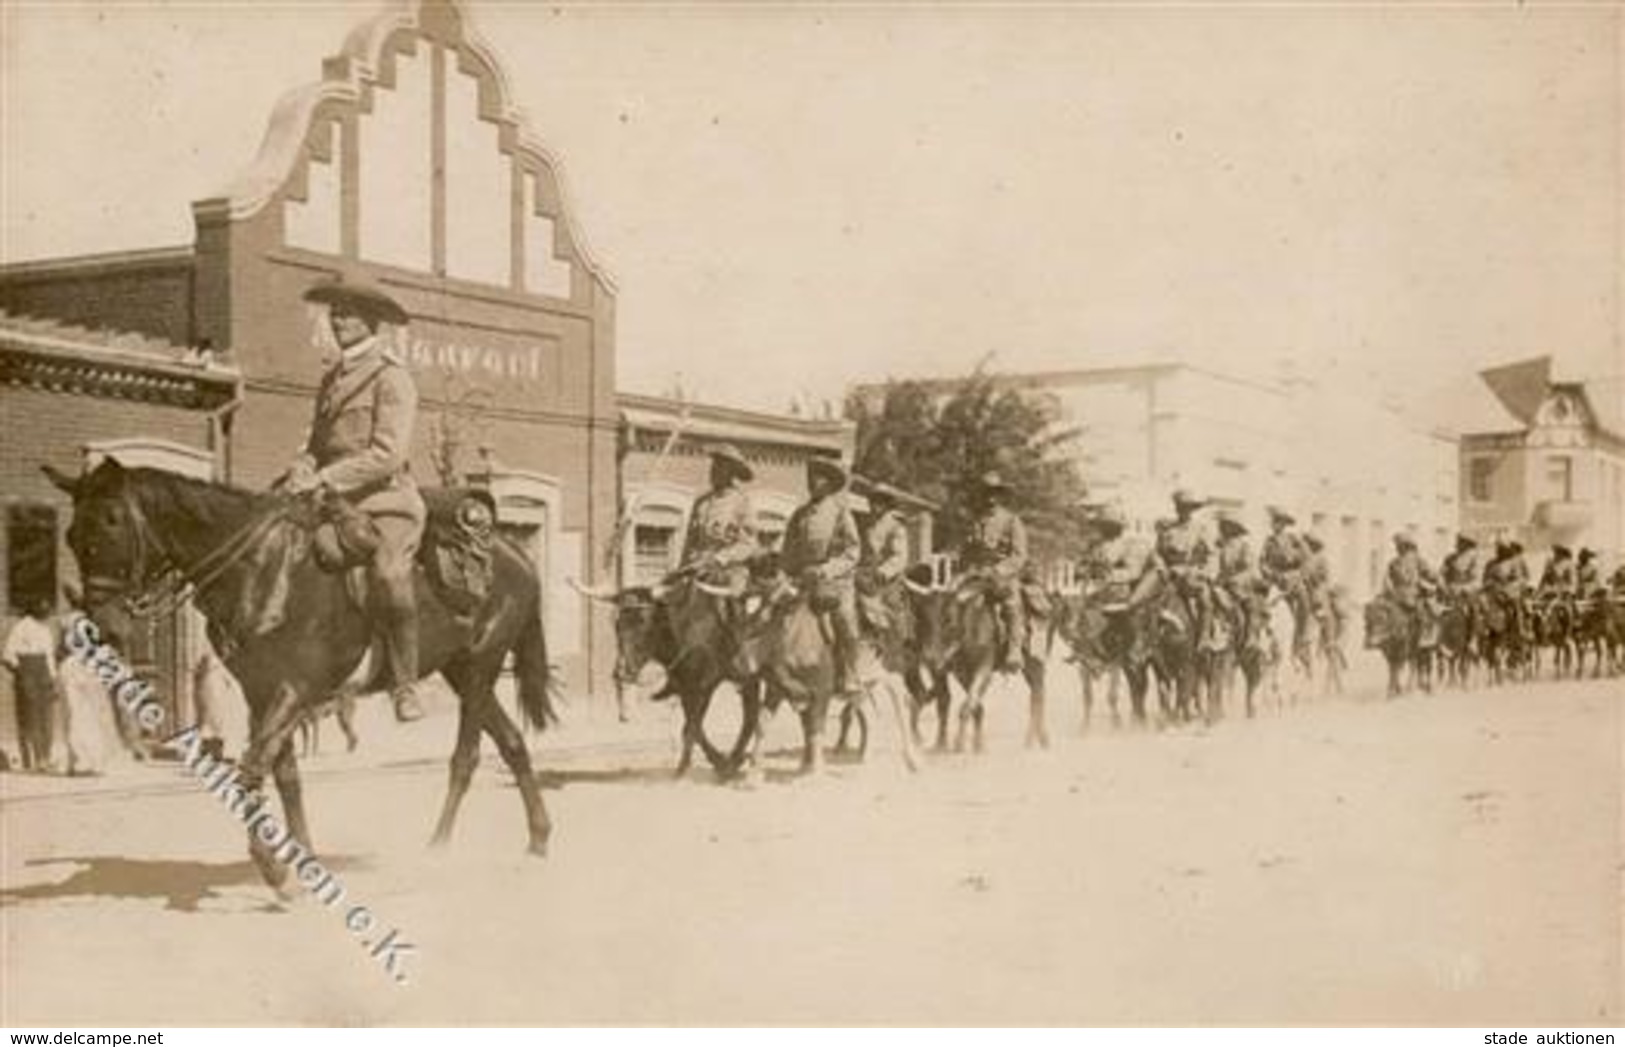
x,y
1506,579
820,556
1557,579
1236,580
1409,581
1460,569
1107,566
358,449
1459,576
885,556
1181,554
1317,578
1587,576
721,538
995,552
1317,574
1281,562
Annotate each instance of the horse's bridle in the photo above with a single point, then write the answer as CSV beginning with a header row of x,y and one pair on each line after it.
x,y
175,585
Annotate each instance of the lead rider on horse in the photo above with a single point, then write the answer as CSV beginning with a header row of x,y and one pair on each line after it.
x,y
359,448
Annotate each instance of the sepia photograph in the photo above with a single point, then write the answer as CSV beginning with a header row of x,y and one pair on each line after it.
x,y
698,515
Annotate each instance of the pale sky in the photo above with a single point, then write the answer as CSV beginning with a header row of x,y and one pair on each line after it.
x,y
792,198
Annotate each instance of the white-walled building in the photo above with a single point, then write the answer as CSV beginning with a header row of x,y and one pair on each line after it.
x,y
1350,466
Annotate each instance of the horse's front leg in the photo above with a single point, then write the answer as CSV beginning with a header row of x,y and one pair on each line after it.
x,y
285,769
694,706
813,715
278,717
1037,729
1086,681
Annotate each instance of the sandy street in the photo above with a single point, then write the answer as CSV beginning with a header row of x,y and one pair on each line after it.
x,y
1448,860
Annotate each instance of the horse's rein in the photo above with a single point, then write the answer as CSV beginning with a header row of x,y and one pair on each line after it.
x,y
178,585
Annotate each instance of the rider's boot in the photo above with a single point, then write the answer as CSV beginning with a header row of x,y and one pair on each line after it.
x,y
395,604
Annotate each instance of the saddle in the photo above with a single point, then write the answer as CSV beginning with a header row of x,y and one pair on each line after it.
x,y
455,554
456,548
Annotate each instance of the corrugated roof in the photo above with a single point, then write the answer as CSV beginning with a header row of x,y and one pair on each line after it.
x,y
732,423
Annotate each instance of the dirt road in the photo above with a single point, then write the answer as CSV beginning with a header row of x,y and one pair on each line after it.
x,y
1452,860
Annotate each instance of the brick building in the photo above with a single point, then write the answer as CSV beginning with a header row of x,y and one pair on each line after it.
x,y
664,467
406,163
68,394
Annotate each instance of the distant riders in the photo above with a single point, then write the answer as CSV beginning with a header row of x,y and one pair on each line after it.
x,y
1181,556
820,556
995,553
1459,577
1236,581
1409,583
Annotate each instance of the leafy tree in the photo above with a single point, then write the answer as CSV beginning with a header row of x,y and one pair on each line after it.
x,y
936,441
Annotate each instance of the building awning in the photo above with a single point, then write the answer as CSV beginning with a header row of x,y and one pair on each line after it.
x,y
43,354
708,422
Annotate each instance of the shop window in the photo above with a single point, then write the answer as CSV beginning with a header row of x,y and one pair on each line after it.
x,y
653,547
30,555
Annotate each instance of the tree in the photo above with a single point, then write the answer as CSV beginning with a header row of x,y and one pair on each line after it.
x,y
937,442
457,428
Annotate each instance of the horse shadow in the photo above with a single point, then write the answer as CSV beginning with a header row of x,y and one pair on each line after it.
x,y
183,886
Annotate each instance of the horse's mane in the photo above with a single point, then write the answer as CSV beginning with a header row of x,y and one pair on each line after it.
x,y
202,503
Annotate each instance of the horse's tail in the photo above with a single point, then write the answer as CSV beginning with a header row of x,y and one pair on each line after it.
x,y
537,681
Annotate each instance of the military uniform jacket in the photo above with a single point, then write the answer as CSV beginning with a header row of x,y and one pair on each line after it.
x,y
997,541
1284,553
1503,573
1461,570
822,535
1587,578
1106,562
361,438
722,527
1558,576
1235,564
1180,547
1406,575
1317,573
885,547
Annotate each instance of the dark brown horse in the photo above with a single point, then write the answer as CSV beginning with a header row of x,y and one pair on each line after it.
x,y
929,652
1100,634
978,639
1401,634
134,530
684,628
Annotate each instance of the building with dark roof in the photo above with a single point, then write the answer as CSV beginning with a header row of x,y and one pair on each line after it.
x,y
1551,469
